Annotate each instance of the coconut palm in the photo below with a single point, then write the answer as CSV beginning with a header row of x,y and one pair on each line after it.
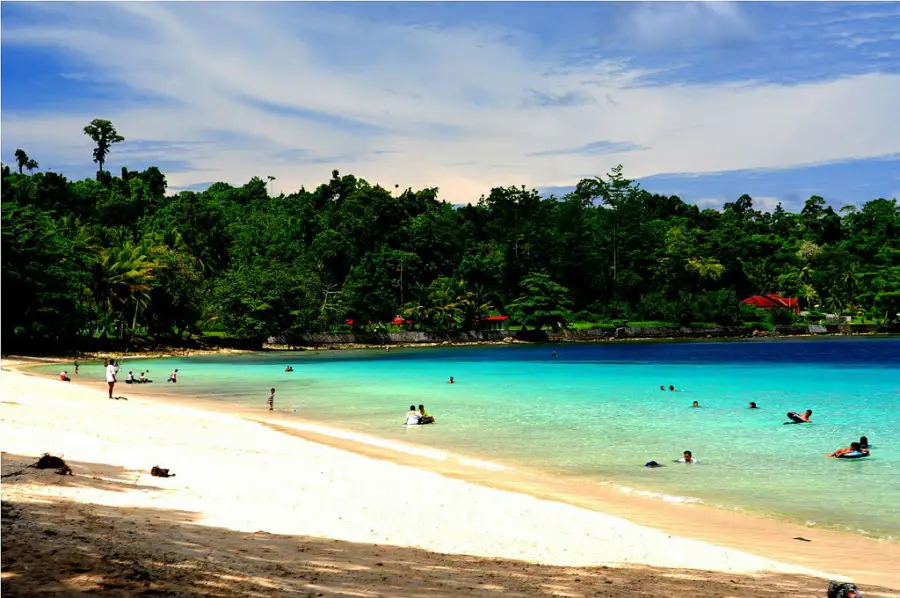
x,y
120,279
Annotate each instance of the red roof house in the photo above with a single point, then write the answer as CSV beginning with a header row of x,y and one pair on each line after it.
x,y
773,301
495,322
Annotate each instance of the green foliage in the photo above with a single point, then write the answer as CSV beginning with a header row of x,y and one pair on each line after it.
x,y
542,303
43,279
256,301
117,256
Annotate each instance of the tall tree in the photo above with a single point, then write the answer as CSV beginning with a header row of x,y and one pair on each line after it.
x,y
104,134
22,160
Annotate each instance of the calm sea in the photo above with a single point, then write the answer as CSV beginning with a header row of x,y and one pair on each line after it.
x,y
597,411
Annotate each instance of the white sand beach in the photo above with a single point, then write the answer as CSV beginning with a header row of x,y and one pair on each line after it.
x,y
254,511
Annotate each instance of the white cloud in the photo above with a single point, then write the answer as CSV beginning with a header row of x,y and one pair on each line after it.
x,y
455,105
661,24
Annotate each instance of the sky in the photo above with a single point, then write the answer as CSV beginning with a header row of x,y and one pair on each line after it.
x,y
704,100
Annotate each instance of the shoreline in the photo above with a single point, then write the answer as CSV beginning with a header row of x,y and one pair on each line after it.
x,y
502,338
828,550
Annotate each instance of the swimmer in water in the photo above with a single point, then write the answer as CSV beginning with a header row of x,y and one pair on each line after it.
x,y
753,405
863,442
853,448
806,416
672,388
687,458
696,404
663,388
451,381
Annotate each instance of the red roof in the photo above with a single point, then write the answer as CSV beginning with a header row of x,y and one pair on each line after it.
x,y
772,301
494,318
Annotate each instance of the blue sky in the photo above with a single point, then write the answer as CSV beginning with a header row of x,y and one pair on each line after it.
x,y
706,100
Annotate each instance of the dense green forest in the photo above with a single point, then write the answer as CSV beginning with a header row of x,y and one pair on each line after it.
x,y
117,256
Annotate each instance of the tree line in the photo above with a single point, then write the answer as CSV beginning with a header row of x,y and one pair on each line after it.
x,y
118,256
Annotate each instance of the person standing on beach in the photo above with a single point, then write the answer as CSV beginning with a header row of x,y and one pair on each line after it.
x,y
111,375
271,400
76,367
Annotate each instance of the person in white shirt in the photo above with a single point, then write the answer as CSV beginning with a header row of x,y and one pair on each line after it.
x,y
111,370
412,418
173,377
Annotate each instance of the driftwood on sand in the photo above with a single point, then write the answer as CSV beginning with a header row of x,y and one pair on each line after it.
x,y
160,472
48,461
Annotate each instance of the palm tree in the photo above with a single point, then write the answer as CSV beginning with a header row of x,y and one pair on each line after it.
x,y
834,304
120,278
850,282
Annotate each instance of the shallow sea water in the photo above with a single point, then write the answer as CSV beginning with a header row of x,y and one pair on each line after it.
x,y
597,411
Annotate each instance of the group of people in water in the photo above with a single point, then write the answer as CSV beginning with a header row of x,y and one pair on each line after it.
x,y
855,450
418,417
111,372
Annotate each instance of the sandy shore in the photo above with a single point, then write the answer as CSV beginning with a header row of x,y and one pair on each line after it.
x,y
255,511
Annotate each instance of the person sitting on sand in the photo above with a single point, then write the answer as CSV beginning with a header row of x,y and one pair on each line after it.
x,y
687,458
130,378
451,381
143,378
696,404
425,417
413,416
853,448
64,376
271,400
753,405
864,442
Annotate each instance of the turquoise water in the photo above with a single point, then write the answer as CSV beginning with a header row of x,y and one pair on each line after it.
x,y
597,411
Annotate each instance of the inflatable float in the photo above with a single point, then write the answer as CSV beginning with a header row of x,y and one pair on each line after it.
x,y
853,455
795,418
